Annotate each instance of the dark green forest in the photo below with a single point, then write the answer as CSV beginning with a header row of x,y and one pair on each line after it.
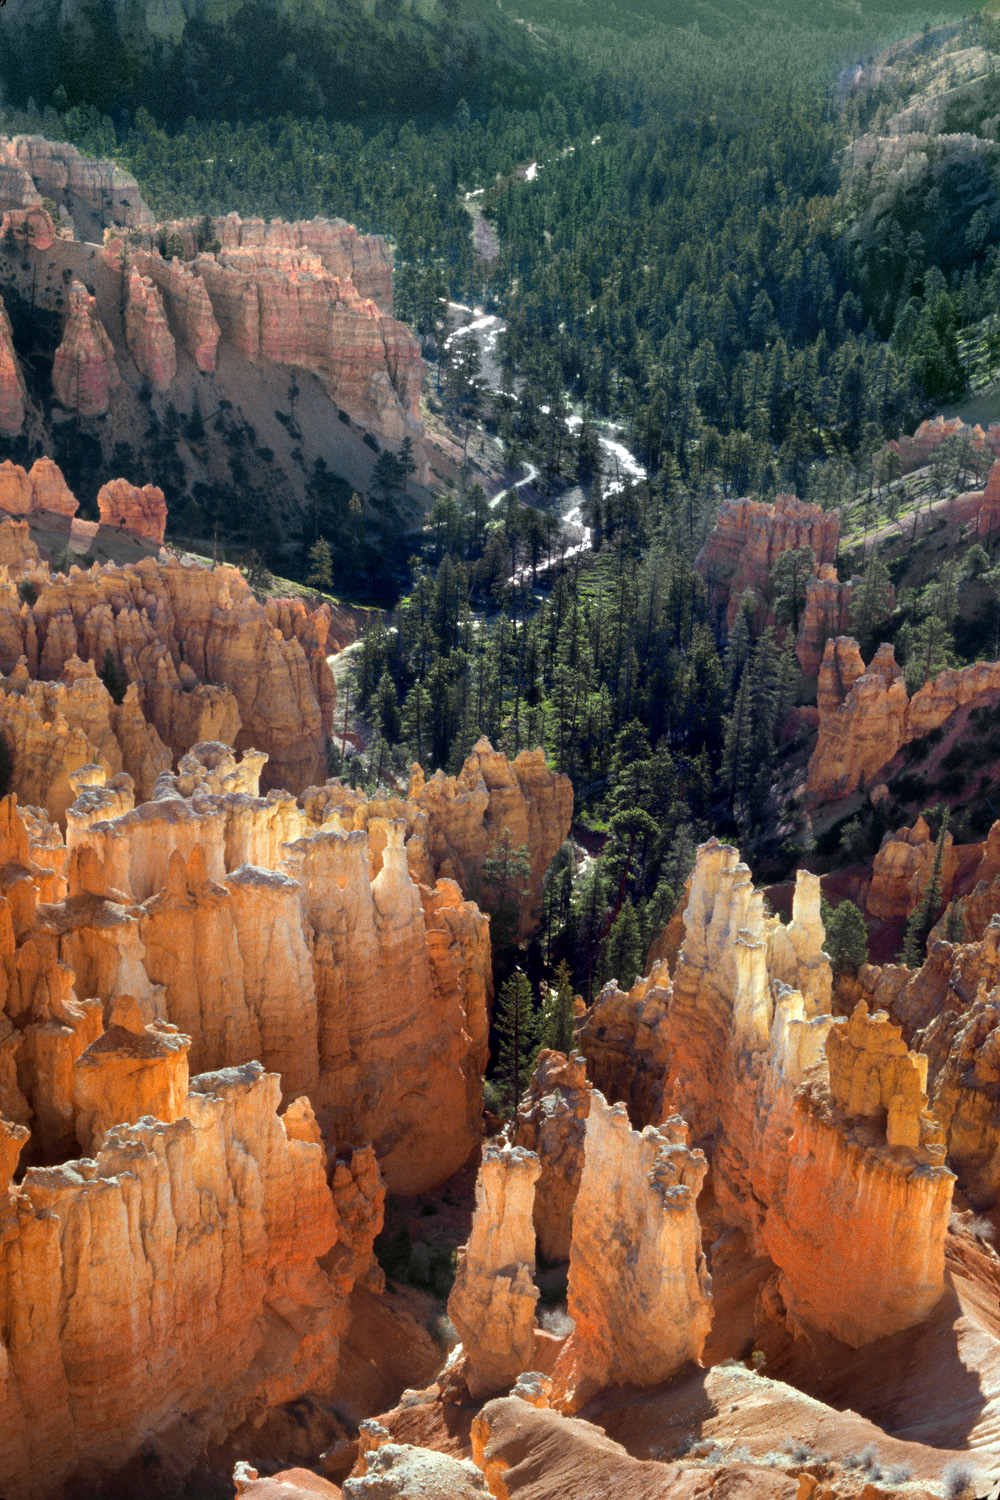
x,y
691,262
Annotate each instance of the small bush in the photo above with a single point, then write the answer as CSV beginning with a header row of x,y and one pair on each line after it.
x,y
870,1462
796,1449
982,1229
27,591
958,1478
369,442
898,1474
851,1461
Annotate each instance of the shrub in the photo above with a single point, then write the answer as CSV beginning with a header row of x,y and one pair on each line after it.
x,y
797,1450
870,1462
27,591
898,1474
958,1478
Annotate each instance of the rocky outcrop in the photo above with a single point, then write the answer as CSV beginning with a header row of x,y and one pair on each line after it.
x,y
221,881
12,390
901,872
792,1104
314,295
149,340
54,729
876,716
914,452
418,1097
551,1122
44,488
865,1158
143,512
84,372
747,539
467,815
492,1303
29,227
100,188
187,302
205,660
18,552
827,614
142,1293
358,261
639,1291
131,1070
399,1471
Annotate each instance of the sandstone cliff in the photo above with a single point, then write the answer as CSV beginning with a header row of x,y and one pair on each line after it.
x,y
827,614
149,340
747,539
551,1122
791,1103
143,511
142,1293
217,881
901,871
85,371
866,718
12,391
44,488
205,661
638,1286
492,1303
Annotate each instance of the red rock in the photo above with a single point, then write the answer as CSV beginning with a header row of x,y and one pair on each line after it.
x,y
12,392
188,307
749,536
492,1303
143,512
32,226
84,372
61,173
150,341
901,870
551,1122
16,187
639,1290
21,494
827,614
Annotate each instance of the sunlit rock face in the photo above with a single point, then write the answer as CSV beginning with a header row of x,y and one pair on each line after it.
x,y
824,1151
639,1290
492,1303
749,537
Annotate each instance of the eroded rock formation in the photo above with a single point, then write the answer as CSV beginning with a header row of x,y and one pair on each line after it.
x,y
827,614
44,488
149,340
639,1290
85,371
875,716
140,1291
143,512
492,1303
901,871
551,1122
749,536
12,391
792,1104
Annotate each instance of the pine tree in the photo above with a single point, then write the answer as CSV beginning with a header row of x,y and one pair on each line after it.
x,y
623,953
321,564
924,913
846,940
517,1037
558,1029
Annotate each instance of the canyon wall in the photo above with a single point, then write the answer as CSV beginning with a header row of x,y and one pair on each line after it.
x,y
166,1290
747,540
792,1104
314,294
866,715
